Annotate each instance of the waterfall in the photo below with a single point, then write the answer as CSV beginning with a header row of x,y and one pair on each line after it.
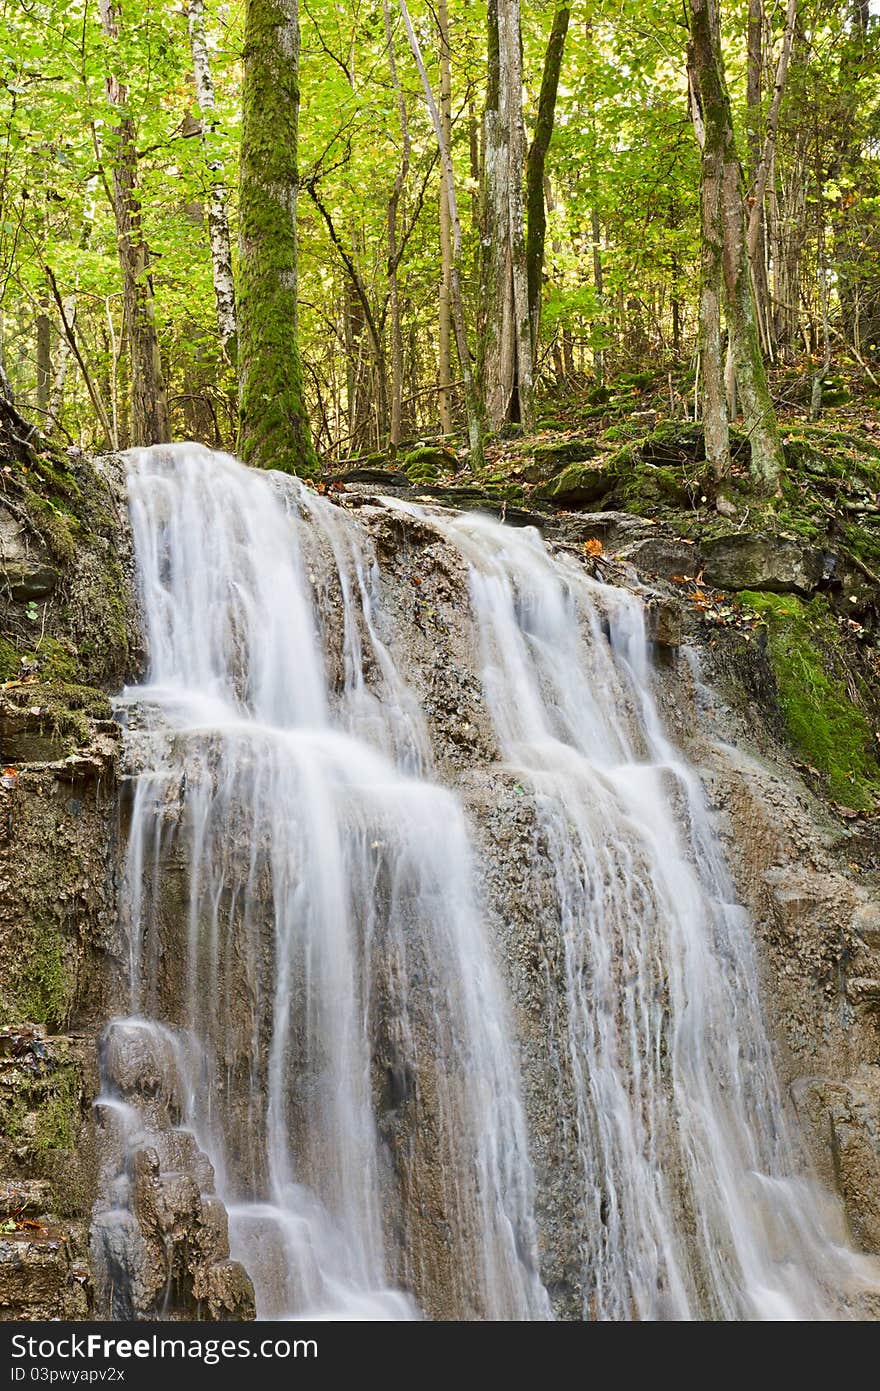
x,y
697,1200
302,921
318,1034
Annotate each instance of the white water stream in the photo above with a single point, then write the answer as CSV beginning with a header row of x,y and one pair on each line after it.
x,y
298,886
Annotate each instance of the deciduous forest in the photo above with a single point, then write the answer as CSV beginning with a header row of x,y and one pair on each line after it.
x,y
483,219
439,667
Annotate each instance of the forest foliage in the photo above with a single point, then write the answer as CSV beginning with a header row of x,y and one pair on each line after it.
x,y
82,96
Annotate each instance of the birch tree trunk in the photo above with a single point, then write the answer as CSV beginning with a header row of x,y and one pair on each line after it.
x,y
458,319
56,395
393,204
506,360
44,357
150,422
754,92
274,428
445,314
218,216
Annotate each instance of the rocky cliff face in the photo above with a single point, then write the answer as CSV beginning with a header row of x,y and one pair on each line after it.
x,y
67,637
732,682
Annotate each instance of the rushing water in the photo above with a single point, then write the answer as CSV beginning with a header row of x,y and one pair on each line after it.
x,y
320,880
308,955
694,1206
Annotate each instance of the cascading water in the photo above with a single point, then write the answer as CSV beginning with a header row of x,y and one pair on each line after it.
x,y
696,1204
299,902
317,1024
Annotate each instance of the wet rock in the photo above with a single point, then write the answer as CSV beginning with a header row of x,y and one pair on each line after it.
x,y
40,1280
139,1062
663,555
27,581
614,529
664,622
378,477
225,1292
847,1115
776,564
25,1198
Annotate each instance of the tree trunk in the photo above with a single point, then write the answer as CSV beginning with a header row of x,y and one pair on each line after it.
x,y
458,319
711,364
44,357
445,314
765,162
599,287
150,421
55,403
274,425
507,338
724,238
754,92
218,218
535,167
393,204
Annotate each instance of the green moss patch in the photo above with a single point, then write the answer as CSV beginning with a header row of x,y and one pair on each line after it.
x,y
824,725
428,463
38,986
553,454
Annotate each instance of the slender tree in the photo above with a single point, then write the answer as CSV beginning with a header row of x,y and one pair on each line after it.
x,y
393,239
150,421
445,228
464,357
218,216
274,427
506,358
711,358
724,227
537,162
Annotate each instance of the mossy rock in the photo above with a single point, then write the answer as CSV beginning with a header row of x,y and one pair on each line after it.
x,y
50,659
813,678
645,488
67,604
640,380
765,561
42,1109
553,455
674,442
43,722
41,984
428,463
579,485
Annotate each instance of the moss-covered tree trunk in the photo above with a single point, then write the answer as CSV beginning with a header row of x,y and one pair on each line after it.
x,y
719,154
535,167
274,428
